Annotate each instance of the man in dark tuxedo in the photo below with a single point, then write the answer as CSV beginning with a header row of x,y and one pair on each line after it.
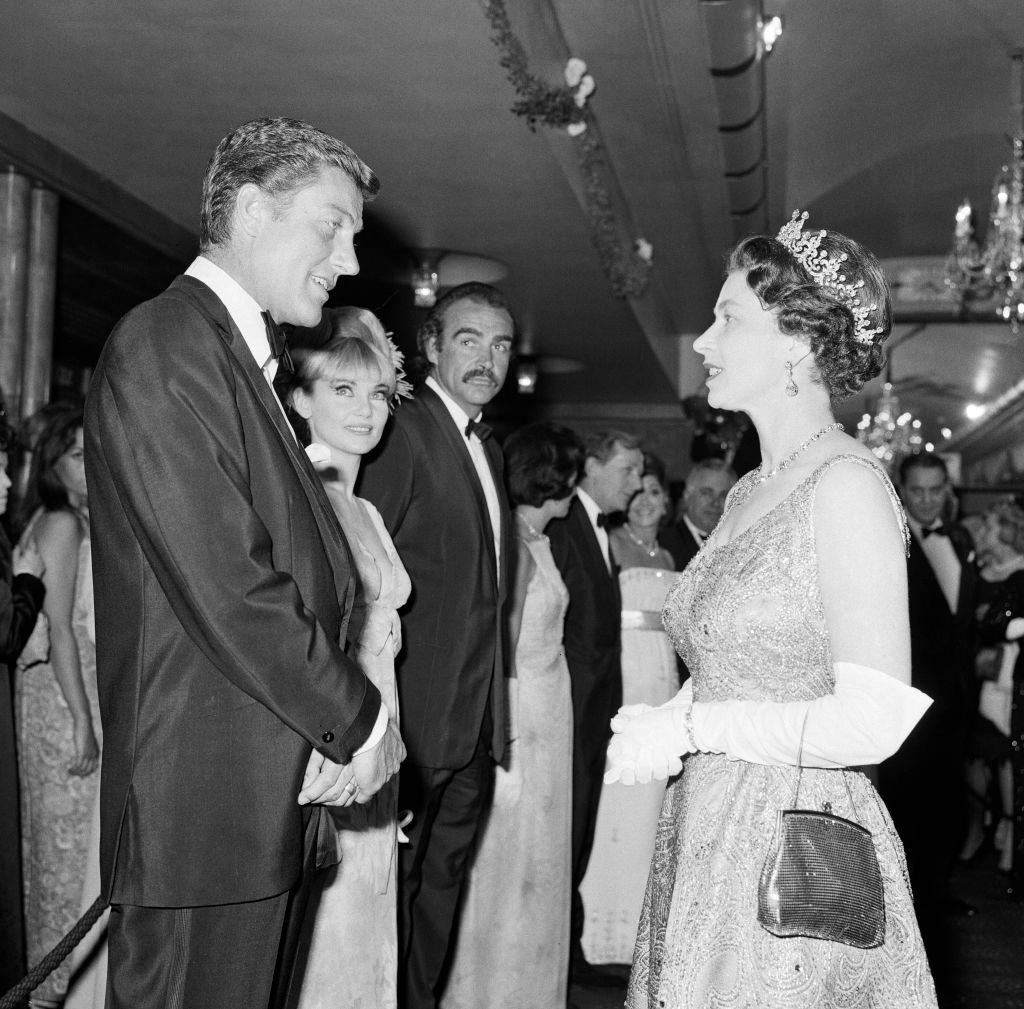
x,y
437,482
923,784
707,486
579,544
223,589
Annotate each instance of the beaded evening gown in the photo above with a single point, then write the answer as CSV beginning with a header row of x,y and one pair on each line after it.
x,y
627,817
747,618
56,807
350,943
512,950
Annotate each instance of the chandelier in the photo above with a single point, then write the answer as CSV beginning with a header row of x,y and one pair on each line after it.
x,y
890,433
995,271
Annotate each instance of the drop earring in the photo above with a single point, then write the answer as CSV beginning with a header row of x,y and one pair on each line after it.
x,y
791,387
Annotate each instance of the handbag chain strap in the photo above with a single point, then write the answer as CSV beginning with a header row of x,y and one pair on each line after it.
x,y
800,769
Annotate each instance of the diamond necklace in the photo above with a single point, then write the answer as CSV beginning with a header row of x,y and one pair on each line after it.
x,y
775,471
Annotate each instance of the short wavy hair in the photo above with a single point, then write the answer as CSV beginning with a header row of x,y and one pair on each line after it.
x,y
277,155
433,325
806,309
1010,517
542,462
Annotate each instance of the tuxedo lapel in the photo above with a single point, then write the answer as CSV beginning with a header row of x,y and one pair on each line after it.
x,y
327,522
922,574
452,437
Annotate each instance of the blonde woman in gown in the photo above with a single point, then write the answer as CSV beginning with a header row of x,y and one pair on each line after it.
x,y
343,392
793,623
627,818
56,701
512,950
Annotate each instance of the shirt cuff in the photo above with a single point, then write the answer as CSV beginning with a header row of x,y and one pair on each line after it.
x,y
376,733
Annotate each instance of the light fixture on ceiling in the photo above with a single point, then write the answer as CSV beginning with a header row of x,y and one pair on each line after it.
x,y
434,269
771,31
995,271
890,433
527,373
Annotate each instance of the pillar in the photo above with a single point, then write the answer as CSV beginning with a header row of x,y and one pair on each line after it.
x,y
15,199
37,360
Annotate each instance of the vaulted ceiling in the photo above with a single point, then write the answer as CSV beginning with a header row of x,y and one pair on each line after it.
x,y
877,117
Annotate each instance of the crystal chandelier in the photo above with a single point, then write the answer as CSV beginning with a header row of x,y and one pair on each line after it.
x,y
890,433
995,271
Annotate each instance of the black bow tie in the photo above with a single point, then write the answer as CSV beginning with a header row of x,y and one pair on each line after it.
x,y
602,520
278,343
939,530
479,428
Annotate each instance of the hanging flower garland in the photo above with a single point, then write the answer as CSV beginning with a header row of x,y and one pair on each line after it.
x,y
565,107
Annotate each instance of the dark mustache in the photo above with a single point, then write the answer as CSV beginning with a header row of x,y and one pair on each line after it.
x,y
479,373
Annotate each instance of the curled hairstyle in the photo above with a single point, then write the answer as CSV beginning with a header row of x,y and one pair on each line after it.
x,y
433,325
806,309
1010,518
653,466
54,429
277,155
542,461
358,343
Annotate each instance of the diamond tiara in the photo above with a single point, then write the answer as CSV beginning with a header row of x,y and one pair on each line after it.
x,y
825,271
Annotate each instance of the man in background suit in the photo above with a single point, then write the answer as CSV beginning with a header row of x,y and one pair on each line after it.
x,y
223,589
923,784
437,482
707,486
579,544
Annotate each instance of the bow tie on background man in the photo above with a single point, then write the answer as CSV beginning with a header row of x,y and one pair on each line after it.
x,y
602,520
479,428
278,345
940,530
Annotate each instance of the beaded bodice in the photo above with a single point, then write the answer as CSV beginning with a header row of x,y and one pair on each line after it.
x,y
747,616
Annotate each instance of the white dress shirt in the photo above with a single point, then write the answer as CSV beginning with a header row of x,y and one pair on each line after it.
x,y
479,457
943,559
247,315
698,536
590,506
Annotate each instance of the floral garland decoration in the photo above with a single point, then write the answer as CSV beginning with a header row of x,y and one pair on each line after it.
x,y
565,107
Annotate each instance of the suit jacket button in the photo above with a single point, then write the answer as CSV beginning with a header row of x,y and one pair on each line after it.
x,y
328,737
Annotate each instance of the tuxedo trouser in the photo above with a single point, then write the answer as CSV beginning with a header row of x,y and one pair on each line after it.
x,y
213,957
588,764
448,808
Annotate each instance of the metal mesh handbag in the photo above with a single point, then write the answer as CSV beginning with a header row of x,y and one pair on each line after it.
x,y
821,878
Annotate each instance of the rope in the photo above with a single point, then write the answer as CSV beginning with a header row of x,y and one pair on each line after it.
x,y
42,970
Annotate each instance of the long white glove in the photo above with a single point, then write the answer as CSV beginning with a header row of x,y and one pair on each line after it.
x,y
863,721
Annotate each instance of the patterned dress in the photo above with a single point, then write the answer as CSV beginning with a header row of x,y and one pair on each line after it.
x,y
56,807
747,618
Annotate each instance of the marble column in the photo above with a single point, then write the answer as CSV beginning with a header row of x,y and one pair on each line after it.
x,y
37,360
15,202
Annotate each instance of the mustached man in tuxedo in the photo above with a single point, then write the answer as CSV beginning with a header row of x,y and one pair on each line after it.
x,y
611,475
707,486
923,784
223,591
437,482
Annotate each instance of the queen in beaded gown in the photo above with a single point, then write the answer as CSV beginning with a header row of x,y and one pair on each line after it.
x,y
793,622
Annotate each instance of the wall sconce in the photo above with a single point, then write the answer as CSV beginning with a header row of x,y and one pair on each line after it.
x,y
771,31
526,374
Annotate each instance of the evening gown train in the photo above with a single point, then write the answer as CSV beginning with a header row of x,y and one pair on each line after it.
x,y
350,942
512,950
627,818
56,808
747,619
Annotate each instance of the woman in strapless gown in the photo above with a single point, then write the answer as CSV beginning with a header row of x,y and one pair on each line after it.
x,y
512,950
793,623
344,390
627,817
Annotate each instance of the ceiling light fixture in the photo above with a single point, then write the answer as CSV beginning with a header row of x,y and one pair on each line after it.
x,y
890,433
424,284
995,271
771,31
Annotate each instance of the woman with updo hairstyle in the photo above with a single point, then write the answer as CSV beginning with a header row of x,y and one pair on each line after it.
x,y
343,395
511,949
793,622
1000,666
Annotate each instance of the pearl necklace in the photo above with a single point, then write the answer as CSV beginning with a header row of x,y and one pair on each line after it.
x,y
529,528
775,471
650,551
